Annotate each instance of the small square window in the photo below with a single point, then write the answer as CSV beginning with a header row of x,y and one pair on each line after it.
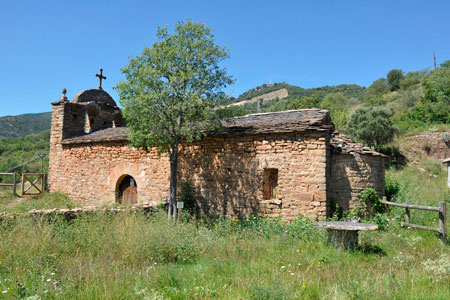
x,y
270,183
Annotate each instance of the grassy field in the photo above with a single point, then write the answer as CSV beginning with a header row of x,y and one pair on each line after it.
x,y
131,256
18,204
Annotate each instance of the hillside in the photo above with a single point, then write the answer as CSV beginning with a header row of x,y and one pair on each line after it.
x,y
416,100
15,151
21,125
349,90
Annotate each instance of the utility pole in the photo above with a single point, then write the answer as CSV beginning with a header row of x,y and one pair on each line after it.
x,y
434,58
41,156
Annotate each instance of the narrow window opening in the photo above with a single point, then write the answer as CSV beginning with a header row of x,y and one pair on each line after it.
x,y
270,183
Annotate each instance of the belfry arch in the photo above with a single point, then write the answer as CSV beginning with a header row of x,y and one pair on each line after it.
x,y
92,114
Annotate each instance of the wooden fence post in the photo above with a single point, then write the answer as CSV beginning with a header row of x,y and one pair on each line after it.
x,y
442,220
407,214
23,184
14,183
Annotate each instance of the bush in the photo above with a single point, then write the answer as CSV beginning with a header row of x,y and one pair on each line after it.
x,y
372,126
372,202
394,78
391,188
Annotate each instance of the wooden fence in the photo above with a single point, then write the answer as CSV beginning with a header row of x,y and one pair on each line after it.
x,y
441,209
38,183
13,184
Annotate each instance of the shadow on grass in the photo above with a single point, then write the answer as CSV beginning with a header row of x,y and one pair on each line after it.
x,y
371,249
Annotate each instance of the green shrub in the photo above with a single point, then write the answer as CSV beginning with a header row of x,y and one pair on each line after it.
x,y
187,196
391,188
394,78
372,126
372,202
381,220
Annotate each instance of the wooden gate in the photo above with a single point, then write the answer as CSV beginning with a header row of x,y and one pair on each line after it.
x,y
36,183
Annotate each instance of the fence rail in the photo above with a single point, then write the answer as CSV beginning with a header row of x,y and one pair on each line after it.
x,y
441,209
13,184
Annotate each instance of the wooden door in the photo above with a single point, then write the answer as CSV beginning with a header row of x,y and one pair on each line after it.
x,y
129,195
128,191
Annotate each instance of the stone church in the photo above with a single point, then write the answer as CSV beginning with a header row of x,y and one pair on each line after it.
x,y
278,164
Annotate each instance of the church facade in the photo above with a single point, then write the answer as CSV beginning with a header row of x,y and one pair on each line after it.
x,y
283,164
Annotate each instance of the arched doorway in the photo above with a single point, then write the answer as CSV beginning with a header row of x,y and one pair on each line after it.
x,y
126,190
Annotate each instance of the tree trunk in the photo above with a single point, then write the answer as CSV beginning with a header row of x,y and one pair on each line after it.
x,y
173,182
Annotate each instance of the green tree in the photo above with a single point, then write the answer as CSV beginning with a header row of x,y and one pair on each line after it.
x,y
372,126
171,90
394,78
336,104
435,106
374,93
446,64
306,102
437,86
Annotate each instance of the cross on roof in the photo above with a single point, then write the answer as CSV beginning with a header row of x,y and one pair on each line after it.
x,y
100,77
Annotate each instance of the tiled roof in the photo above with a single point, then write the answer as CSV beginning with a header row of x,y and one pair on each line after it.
x,y
276,122
343,144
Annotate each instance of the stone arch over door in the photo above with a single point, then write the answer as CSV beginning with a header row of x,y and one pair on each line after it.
x,y
126,190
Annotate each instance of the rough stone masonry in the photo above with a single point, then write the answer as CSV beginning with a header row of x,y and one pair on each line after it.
x,y
283,164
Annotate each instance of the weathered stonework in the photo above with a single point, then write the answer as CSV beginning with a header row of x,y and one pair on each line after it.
x,y
351,174
312,164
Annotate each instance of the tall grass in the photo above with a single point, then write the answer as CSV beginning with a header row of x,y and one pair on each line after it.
x,y
132,256
129,256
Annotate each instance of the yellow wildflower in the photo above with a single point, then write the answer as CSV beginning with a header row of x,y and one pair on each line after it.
x,y
304,286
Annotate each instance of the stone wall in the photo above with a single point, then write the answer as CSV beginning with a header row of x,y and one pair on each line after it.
x,y
227,173
350,174
429,144
70,119
89,173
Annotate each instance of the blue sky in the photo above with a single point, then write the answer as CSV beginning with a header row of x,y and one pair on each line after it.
x,y
49,45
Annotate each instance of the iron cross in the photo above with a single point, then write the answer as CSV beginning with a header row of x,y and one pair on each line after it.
x,y
100,77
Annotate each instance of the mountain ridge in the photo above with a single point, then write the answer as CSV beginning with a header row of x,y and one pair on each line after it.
x,y
24,124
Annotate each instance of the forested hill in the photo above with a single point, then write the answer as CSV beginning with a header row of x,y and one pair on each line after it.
x,y
348,90
414,100
21,125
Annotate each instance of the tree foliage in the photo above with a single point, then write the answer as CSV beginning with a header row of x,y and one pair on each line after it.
x,y
307,102
394,78
435,104
372,126
375,92
337,105
171,90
